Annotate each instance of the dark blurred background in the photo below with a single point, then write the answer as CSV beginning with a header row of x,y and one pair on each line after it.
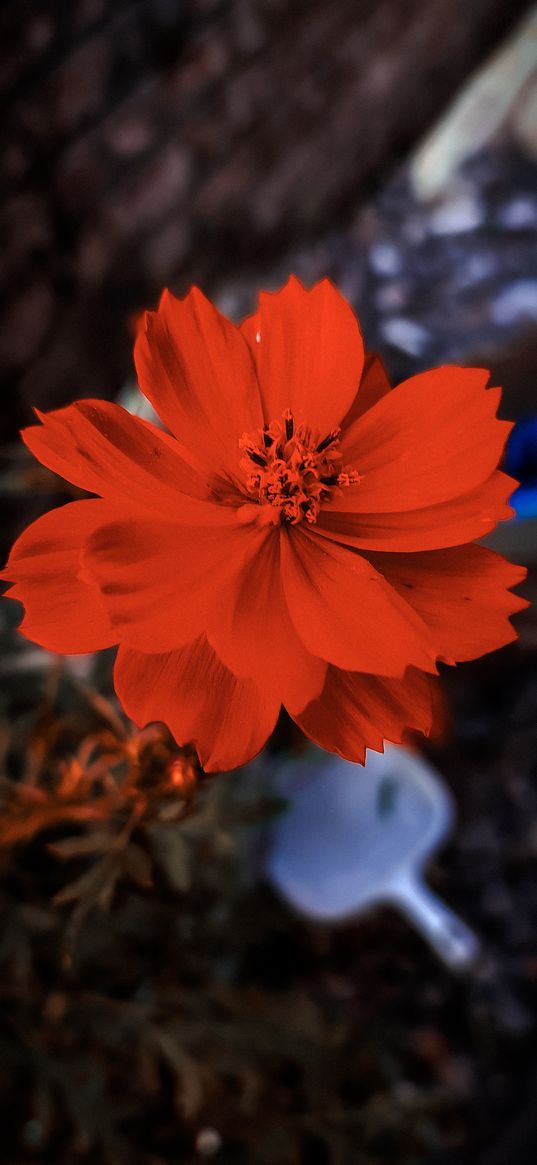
x,y
391,145
153,142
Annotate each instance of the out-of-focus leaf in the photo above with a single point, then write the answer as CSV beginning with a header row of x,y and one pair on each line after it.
x,y
89,886
75,847
173,854
187,1071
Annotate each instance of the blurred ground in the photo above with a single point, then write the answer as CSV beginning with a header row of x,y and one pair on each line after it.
x,y
230,143
168,1006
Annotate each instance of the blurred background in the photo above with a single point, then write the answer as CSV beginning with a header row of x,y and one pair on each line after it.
x,y
391,145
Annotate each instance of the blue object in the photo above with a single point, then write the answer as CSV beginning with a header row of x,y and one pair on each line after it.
x,y
521,462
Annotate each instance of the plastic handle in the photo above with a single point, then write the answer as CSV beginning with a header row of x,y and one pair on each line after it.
x,y
446,933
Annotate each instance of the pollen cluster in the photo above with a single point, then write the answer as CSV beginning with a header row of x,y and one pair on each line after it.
x,y
292,469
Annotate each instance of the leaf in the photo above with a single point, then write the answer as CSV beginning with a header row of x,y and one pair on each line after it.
x,y
73,847
106,893
95,885
188,1073
172,852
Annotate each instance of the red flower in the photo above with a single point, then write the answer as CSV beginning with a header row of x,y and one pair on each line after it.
x,y
300,536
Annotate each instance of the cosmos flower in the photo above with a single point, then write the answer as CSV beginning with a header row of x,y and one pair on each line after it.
x,y
300,534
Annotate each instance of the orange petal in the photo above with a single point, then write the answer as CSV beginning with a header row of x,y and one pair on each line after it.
x,y
446,524
228,720
308,351
431,439
160,581
461,594
345,612
374,385
254,635
100,447
63,613
355,711
196,369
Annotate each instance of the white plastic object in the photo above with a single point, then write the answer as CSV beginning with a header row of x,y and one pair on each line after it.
x,y
352,838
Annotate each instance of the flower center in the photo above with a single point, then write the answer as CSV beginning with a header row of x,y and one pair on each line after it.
x,y
293,470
